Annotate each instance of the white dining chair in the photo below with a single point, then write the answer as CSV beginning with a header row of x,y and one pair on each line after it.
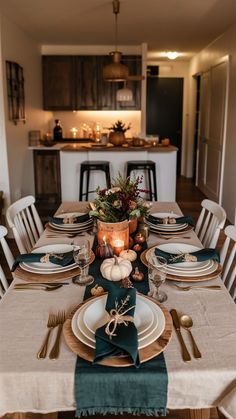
x,y
25,223
228,260
211,220
9,257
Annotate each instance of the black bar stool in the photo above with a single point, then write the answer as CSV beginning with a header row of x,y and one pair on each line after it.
x,y
150,167
88,167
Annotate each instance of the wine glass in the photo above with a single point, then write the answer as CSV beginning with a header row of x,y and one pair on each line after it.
x,y
157,267
81,256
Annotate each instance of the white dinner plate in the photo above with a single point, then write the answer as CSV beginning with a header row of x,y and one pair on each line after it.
x,y
159,318
74,229
47,271
95,315
50,248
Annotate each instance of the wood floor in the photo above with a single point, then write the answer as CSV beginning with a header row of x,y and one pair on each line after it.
x,y
189,199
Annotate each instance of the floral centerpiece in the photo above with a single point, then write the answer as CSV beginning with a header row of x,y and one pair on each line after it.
x,y
121,202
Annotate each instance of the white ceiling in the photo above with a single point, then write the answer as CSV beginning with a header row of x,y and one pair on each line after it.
x,y
182,25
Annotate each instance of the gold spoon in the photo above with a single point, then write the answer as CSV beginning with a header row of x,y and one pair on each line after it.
x,y
187,323
37,288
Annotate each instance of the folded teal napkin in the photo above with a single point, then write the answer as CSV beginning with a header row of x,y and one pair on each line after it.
x,y
198,256
171,220
71,220
62,259
118,338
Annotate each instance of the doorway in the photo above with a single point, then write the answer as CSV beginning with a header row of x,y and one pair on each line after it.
x,y
165,110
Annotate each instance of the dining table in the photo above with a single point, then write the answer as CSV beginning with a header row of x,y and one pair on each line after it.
x,y
29,384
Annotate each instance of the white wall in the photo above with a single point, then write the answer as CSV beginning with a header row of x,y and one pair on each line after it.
x,y
18,47
224,45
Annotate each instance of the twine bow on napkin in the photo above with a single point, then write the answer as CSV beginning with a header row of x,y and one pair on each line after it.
x,y
117,316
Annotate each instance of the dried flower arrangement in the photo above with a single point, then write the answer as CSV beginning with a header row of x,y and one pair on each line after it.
x,y
121,202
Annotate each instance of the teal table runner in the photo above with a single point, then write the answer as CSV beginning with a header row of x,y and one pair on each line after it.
x,y
101,390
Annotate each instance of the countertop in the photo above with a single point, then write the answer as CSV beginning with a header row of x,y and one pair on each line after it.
x,y
109,147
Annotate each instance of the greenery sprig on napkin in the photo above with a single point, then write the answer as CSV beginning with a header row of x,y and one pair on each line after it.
x,y
69,220
119,335
171,220
198,256
62,259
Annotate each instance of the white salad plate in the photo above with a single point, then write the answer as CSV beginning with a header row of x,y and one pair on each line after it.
x,y
73,228
48,271
159,319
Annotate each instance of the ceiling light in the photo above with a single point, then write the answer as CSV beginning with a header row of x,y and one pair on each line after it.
x,y
116,71
124,95
172,55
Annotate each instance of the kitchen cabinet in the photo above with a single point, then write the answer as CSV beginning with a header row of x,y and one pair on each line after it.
x,y
47,177
76,83
58,82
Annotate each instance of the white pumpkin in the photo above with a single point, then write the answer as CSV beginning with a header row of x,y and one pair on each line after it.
x,y
128,254
115,269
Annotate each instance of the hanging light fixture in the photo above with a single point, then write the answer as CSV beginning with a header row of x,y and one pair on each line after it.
x,y
116,71
124,94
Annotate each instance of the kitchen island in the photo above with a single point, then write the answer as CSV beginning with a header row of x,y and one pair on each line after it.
x,y
72,155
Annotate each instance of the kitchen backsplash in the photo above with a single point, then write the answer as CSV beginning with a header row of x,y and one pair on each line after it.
x,y
92,119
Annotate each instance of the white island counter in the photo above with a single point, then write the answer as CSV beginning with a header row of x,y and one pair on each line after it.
x,y
71,157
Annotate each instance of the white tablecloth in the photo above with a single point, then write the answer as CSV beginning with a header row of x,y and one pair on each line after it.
x,y
31,385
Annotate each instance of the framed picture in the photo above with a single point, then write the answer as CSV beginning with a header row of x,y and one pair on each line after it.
x,y
15,92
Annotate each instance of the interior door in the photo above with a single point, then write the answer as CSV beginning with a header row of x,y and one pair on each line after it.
x,y
211,139
164,110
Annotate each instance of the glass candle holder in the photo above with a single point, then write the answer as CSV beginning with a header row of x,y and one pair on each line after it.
x,y
117,235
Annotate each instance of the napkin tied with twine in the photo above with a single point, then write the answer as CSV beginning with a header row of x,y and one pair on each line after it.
x,y
62,259
198,256
119,335
69,220
171,220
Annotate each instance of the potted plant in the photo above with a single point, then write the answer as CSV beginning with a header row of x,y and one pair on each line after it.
x,y
117,132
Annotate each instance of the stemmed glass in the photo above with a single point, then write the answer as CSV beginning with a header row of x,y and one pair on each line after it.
x,y
81,256
157,267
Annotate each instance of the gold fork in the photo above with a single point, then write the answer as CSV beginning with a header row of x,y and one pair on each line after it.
x,y
192,287
50,325
54,353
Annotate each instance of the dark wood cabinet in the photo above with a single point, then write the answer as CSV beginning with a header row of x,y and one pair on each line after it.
x,y
47,177
76,83
58,82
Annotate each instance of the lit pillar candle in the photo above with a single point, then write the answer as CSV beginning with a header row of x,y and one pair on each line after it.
x,y
74,132
118,246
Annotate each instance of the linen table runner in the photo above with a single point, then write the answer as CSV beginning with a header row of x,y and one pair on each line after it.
x,y
109,390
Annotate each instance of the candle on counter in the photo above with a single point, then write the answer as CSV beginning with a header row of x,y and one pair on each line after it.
x,y
74,132
118,246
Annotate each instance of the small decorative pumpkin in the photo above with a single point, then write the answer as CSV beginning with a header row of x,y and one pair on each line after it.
x,y
97,290
128,254
137,276
115,269
104,250
139,238
137,247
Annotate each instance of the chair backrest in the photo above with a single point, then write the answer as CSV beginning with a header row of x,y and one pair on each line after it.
x,y
228,260
9,258
26,225
210,222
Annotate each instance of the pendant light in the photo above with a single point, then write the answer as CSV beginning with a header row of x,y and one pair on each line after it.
x,y
124,94
116,71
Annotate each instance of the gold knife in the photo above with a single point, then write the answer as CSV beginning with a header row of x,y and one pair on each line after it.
x,y
185,353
